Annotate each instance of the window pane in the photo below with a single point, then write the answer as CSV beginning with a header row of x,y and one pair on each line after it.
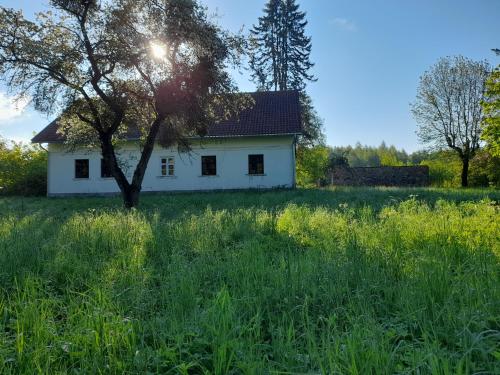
x,y
105,172
82,168
256,164
208,165
167,166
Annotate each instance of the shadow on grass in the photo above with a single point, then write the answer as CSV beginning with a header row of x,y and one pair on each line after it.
x,y
176,205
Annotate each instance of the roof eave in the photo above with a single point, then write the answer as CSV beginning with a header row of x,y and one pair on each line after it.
x,y
34,140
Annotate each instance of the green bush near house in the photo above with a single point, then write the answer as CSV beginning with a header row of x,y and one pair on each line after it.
x,y
340,281
23,169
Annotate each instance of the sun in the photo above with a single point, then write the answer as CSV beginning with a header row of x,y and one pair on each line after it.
x,y
158,50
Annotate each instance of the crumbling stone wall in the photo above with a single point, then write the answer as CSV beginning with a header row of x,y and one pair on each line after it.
x,y
380,176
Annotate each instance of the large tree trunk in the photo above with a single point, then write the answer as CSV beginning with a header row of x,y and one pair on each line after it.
x,y
130,190
465,171
131,196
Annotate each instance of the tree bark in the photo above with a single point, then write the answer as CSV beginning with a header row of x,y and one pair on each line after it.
x,y
465,171
130,190
131,197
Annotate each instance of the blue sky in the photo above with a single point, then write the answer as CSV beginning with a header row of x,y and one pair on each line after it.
x,y
369,55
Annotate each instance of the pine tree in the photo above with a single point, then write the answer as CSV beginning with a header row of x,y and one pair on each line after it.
x,y
280,60
280,50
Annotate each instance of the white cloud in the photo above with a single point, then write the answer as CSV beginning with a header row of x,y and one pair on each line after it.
x,y
11,107
344,24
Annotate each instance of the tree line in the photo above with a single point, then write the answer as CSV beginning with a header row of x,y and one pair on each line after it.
x,y
445,166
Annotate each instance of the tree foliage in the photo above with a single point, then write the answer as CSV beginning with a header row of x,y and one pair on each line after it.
x,y
448,107
312,124
280,60
23,169
444,165
312,165
280,49
369,156
491,110
156,65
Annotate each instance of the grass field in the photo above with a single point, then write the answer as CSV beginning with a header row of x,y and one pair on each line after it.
x,y
345,281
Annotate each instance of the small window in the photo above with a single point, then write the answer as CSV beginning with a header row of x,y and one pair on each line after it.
x,y
208,165
255,164
82,168
105,171
167,166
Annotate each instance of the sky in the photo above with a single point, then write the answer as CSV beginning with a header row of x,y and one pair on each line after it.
x,y
368,55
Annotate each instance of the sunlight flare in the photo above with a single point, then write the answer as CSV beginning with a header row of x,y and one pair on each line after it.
x,y
158,50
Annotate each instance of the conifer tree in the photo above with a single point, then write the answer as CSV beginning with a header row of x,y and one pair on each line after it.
x,y
279,48
280,60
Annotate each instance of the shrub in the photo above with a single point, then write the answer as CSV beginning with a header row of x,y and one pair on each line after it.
x,y
444,169
312,164
23,169
485,170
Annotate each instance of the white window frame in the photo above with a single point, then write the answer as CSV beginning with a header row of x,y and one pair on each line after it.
x,y
169,162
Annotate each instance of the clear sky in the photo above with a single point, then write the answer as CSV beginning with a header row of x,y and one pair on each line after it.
x,y
369,55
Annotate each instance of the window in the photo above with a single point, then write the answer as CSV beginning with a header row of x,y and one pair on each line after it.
x,y
255,164
105,171
167,166
208,165
82,168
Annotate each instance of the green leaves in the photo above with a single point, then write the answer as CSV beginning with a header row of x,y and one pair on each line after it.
x,y
491,111
279,48
23,170
92,60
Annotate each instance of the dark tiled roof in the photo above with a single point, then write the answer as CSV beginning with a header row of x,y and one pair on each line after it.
x,y
274,113
49,134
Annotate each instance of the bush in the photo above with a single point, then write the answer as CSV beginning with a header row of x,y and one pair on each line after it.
x,y
312,164
444,169
485,170
23,169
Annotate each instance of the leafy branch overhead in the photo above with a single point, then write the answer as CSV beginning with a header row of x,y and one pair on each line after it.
x,y
156,65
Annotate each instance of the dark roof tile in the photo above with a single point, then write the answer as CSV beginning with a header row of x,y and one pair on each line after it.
x,y
274,113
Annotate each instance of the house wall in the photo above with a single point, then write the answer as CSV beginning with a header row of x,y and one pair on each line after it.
x,y
232,167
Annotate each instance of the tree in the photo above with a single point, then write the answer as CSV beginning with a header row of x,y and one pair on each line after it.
x,y
156,65
280,60
312,165
280,50
448,107
337,159
312,123
491,110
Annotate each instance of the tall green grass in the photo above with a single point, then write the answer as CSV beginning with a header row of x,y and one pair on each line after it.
x,y
345,281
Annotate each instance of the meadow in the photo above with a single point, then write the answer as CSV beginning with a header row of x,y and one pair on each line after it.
x,y
335,281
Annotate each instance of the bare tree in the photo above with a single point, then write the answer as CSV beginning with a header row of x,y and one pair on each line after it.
x,y
448,107
155,65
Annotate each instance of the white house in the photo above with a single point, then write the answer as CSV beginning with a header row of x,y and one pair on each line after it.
x,y
257,150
